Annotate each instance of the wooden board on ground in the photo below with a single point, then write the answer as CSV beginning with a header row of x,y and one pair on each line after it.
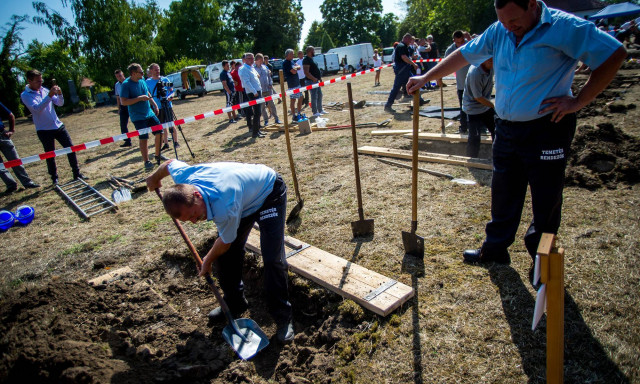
x,y
429,156
391,132
450,137
373,291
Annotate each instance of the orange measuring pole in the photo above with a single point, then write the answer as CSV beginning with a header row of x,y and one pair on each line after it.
x,y
552,274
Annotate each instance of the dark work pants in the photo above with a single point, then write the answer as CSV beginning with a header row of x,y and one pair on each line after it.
x,y
9,152
124,121
253,115
271,218
48,139
402,76
463,115
530,153
304,82
476,123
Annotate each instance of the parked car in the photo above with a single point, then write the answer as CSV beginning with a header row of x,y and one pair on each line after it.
x,y
188,81
277,66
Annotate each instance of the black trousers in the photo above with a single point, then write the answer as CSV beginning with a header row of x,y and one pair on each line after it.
x,y
253,114
475,125
48,139
271,219
124,121
532,153
463,115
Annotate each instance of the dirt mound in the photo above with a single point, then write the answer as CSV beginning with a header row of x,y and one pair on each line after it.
x,y
603,156
154,330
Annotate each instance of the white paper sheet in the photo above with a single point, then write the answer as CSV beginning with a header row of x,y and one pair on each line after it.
x,y
536,271
541,306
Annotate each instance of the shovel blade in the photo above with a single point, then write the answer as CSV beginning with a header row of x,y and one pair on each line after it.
x,y
413,244
362,228
295,212
254,341
117,197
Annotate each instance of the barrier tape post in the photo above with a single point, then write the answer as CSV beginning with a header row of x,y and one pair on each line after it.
x,y
552,274
113,139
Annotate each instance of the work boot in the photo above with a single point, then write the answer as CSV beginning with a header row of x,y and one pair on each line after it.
x,y
11,189
79,175
31,184
387,108
481,256
285,333
236,310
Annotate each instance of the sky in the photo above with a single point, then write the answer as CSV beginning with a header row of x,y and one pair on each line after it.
x,y
310,8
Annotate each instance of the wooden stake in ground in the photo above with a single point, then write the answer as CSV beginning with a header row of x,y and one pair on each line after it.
x,y
360,227
295,212
414,244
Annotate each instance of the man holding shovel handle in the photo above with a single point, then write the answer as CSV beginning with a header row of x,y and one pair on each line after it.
x,y
234,196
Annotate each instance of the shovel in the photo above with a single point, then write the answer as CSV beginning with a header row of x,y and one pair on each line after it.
x,y
120,193
244,336
441,107
414,244
295,212
371,124
360,227
431,172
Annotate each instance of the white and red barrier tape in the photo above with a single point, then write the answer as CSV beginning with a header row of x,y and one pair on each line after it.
x,y
112,139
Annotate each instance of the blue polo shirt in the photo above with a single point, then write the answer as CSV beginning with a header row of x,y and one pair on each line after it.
x,y
231,191
132,89
542,65
151,85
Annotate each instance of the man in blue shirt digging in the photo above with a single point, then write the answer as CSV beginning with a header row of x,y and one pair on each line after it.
x,y
535,50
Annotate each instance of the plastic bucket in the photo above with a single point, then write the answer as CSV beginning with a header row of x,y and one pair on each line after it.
x,y
6,220
24,214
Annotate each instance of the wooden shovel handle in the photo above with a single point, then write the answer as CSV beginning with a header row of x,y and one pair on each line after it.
x,y
414,157
286,134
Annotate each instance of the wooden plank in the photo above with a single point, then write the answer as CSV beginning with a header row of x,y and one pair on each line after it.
x,y
391,132
450,137
342,276
431,157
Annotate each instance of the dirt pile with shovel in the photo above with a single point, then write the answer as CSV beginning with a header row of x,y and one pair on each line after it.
x,y
603,157
154,329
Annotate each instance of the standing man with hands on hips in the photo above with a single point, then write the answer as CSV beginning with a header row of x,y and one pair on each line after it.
x,y
535,50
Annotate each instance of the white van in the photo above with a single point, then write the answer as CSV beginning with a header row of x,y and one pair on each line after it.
x,y
212,76
183,85
327,63
353,55
387,54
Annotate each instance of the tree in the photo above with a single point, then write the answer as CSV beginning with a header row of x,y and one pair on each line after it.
x,y
11,45
109,33
388,30
193,29
352,21
318,37
266,26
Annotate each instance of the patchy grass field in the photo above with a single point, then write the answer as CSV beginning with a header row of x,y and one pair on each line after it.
x,y
467,324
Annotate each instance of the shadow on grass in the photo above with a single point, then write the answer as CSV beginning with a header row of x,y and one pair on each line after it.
x,y
238,142
586,361
415,267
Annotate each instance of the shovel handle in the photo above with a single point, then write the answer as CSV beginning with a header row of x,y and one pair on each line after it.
x,y
198,260
354,140
286,134
414,157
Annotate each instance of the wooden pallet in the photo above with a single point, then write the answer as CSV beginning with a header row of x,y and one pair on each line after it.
x,y
429,156
450,137
373,291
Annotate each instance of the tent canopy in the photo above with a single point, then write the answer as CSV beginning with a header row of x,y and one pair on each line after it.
x,y
616,10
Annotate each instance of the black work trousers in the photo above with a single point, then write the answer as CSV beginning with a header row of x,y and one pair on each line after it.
x,y
532,153
270,218
475,125
253,114
48,139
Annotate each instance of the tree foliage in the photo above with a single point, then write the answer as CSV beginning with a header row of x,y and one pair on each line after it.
x,y
352,21
266,26
11,45
109,33
318,37
178,64
441,18
388,30
194,29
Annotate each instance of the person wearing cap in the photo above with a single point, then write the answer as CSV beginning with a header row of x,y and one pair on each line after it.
x,y
535,50
9,151
235,196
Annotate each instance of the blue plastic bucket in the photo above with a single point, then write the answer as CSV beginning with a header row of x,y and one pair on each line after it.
x,y
24,214
6,220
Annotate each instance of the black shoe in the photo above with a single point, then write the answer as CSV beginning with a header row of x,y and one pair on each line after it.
x,y
423,102
285,333
31,184
478,256
11,189
164,147
160,158
387,108
261,132
125,144
176,145
54,180
79,175
236,310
